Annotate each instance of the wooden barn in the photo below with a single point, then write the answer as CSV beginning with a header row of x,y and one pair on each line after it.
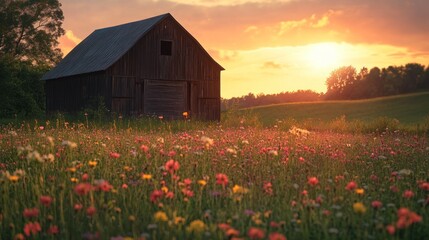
x,y
150,67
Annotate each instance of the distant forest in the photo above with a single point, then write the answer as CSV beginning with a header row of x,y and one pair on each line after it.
x,y
346,83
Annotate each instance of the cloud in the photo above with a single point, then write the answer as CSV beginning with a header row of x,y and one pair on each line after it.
x,y
68,42
271,65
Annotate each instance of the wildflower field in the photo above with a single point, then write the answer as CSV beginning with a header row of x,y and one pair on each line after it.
x,y
71,181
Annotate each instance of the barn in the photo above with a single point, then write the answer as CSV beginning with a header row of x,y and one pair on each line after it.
x,y
150,67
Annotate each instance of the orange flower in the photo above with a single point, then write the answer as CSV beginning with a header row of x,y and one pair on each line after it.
x,y
221,179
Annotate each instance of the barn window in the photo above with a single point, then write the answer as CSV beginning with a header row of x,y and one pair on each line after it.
x,y
166,48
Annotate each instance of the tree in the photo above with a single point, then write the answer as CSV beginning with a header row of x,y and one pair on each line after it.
x,y
29,30
339,83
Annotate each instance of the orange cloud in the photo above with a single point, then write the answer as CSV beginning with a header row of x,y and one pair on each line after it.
x,y
68,42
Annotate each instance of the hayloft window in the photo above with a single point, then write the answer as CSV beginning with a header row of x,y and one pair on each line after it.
x,y
166,48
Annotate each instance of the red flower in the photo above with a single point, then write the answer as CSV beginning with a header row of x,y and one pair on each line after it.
x,y
77,207
82,188
90,211
172,166
53,229
313,181
256,233
424,186
351,185
45,200
390,229
32,228
376,204
31,212
144,148
156,195
114,155
408,194
104,186
276,236
221,179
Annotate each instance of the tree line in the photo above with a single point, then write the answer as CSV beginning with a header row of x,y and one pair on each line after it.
x,y
29,33
345,83
251,100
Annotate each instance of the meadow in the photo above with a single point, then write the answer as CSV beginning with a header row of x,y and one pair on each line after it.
x,y
230,180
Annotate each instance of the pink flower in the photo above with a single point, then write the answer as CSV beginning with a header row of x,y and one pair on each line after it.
x,y
114,155
144,148
390,229
45,200
82,189
156,195
90,211
376,204
31,212
351,185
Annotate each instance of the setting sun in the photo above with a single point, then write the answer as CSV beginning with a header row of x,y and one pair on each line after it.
x,y
323,55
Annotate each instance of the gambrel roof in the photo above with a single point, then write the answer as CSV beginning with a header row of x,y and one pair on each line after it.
x,y
102,48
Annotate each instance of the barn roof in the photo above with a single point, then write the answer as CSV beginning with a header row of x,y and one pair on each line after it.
x,y
103,48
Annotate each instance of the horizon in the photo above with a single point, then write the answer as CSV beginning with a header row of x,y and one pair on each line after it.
x,y
276,46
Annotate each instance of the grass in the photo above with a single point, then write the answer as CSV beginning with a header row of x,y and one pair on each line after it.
x,y
149,179
408,109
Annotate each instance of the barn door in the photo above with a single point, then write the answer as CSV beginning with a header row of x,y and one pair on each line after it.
x,y
165,98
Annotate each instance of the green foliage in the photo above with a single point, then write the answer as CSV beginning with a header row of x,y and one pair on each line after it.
x,y
29,30
22,93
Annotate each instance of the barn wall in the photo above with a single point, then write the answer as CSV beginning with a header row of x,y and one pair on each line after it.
x,y
71,94
188,62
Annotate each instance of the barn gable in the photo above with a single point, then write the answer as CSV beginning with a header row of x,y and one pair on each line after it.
x,y
153,67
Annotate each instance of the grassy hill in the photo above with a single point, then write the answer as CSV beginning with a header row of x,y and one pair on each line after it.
x,y
408,109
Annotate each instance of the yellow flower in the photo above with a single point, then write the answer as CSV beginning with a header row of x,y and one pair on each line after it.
x,y
164,189
13,178
160,216
196,226
202,183
146,176
71,169
179,220
359,208
240,190
92,163
360,191
73,179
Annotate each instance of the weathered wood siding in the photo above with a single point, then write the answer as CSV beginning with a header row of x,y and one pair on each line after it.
x,y
188,64
72,94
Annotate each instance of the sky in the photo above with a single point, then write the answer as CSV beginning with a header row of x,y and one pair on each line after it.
x,y
272,46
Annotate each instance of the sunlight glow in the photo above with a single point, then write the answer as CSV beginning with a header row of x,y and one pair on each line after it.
x,y
323,55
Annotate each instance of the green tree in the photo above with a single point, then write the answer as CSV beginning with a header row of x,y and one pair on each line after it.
x,y
339,83
29,30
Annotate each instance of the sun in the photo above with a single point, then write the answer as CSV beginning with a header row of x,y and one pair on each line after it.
x,y
323,55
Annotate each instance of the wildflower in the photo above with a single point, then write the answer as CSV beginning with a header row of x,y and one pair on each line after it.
x,y
160,216
45,200
82,188
185,114
202,183
276,236
351,185
221,179
239,190
376,204
146,176
90,211
144,148
171,166
359,208
424,186
408,194
13,178
77,207
114,155
406,218
32,228
85,177
19,236
103,185
92,163
73,179
156,195
207,141
53,229
196,226
69,144
30,212
313,181
359,191
255,233
390,229
273,152
179,220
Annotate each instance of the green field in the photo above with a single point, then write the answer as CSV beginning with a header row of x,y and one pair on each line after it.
x,y
408,109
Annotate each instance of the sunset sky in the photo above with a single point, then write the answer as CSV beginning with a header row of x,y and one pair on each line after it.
x,y
270,46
